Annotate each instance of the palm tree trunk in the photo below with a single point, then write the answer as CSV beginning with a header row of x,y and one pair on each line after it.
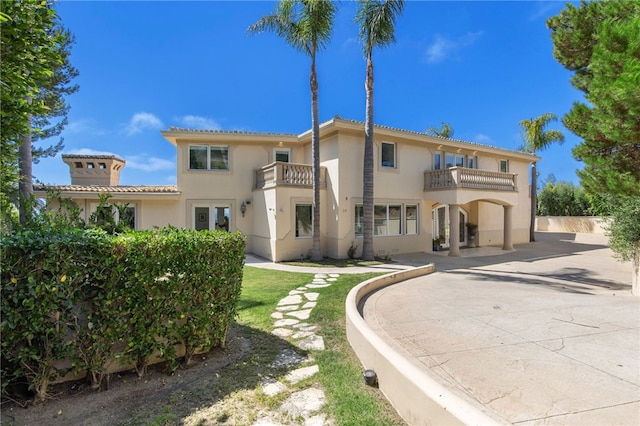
x,y
534,203
316,253
367,170
25,185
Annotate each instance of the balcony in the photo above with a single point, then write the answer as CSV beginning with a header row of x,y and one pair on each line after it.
x,y
288,174
462,178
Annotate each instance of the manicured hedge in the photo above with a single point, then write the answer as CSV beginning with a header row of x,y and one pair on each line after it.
x,y
81,300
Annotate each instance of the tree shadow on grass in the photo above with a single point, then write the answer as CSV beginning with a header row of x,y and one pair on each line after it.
x,y
160,398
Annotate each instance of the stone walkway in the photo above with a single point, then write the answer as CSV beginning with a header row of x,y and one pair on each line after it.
x,y
290,317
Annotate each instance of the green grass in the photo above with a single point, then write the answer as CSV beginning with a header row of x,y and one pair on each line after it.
x,y
262,289
349,400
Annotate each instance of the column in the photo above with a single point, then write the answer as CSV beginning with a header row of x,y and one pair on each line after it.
x,y
454,230
508,245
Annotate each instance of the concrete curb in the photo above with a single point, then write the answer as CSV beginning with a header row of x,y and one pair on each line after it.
x,y
418,398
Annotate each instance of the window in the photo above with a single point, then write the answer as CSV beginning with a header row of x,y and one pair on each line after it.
x,y
282,155
388,155
411,219
472,162
358,220
198,157
122,215
214,157
219,157
211,217
128,217
437,160
504,166
304,221
448,160
459,160
387,220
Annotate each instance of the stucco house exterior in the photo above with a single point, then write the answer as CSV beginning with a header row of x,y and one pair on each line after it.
x,y
261,184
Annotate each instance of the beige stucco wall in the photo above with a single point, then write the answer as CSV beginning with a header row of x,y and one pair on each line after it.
x,y
150,213
583,224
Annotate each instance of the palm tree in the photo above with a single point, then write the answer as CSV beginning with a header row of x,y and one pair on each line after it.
x,y
535,138
446,131
376,19
306,25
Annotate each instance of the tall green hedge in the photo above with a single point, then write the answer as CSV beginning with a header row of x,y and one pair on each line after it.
x,y
77,300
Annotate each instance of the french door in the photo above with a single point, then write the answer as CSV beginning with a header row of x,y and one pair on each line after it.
x,y
214,217
440,218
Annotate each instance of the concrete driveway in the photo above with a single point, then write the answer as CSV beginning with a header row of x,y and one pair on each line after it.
x,y
546,334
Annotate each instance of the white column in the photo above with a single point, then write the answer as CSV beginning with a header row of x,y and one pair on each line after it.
x,y
454,230
508,245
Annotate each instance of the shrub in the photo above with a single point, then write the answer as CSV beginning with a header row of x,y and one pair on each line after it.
x,y
77,300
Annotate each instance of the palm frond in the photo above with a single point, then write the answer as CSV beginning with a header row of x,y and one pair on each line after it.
x,y
534,135
306,25
376,19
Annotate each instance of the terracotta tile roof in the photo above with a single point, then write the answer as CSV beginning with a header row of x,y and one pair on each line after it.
x,y
412,132
230,132
97,157
146,189
337,119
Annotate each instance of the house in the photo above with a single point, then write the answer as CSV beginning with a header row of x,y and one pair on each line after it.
x,y
261,184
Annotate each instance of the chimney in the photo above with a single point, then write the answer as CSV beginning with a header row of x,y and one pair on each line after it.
x,y
102,170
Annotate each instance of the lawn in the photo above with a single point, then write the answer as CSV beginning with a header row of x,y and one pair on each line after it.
x,y
349,400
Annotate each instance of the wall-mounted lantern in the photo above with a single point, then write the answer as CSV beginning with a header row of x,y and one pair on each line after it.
x,y
243,208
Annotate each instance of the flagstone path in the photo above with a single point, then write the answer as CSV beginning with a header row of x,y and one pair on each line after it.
x,y
290,323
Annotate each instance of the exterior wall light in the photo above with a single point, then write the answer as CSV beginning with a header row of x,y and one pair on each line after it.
x,y
243,208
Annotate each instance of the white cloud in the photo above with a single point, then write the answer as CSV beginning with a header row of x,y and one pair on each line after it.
x,y
481,138
351,41
444,47
198,122
543,9
86,126
149,164
142,121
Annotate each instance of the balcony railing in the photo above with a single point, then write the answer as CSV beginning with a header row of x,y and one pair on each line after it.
x,y
288,174
459,177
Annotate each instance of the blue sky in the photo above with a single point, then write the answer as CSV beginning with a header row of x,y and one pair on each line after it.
x,y
144,66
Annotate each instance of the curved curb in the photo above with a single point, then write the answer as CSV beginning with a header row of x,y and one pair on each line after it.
x,y
418,398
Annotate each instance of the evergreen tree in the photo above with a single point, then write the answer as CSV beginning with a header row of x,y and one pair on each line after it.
x,y
600,42
36,75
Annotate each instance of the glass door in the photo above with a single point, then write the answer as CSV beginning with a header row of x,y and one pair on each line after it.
x,y
441,228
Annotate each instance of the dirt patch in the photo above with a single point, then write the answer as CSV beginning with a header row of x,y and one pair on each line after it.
x,y
158,397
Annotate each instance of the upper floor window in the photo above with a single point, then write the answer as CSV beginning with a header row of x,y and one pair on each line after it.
x,y
504,166
388,155
446,160
437,160
203,157
282,154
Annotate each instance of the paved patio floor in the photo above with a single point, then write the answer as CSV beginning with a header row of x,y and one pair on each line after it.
x,y
546,334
